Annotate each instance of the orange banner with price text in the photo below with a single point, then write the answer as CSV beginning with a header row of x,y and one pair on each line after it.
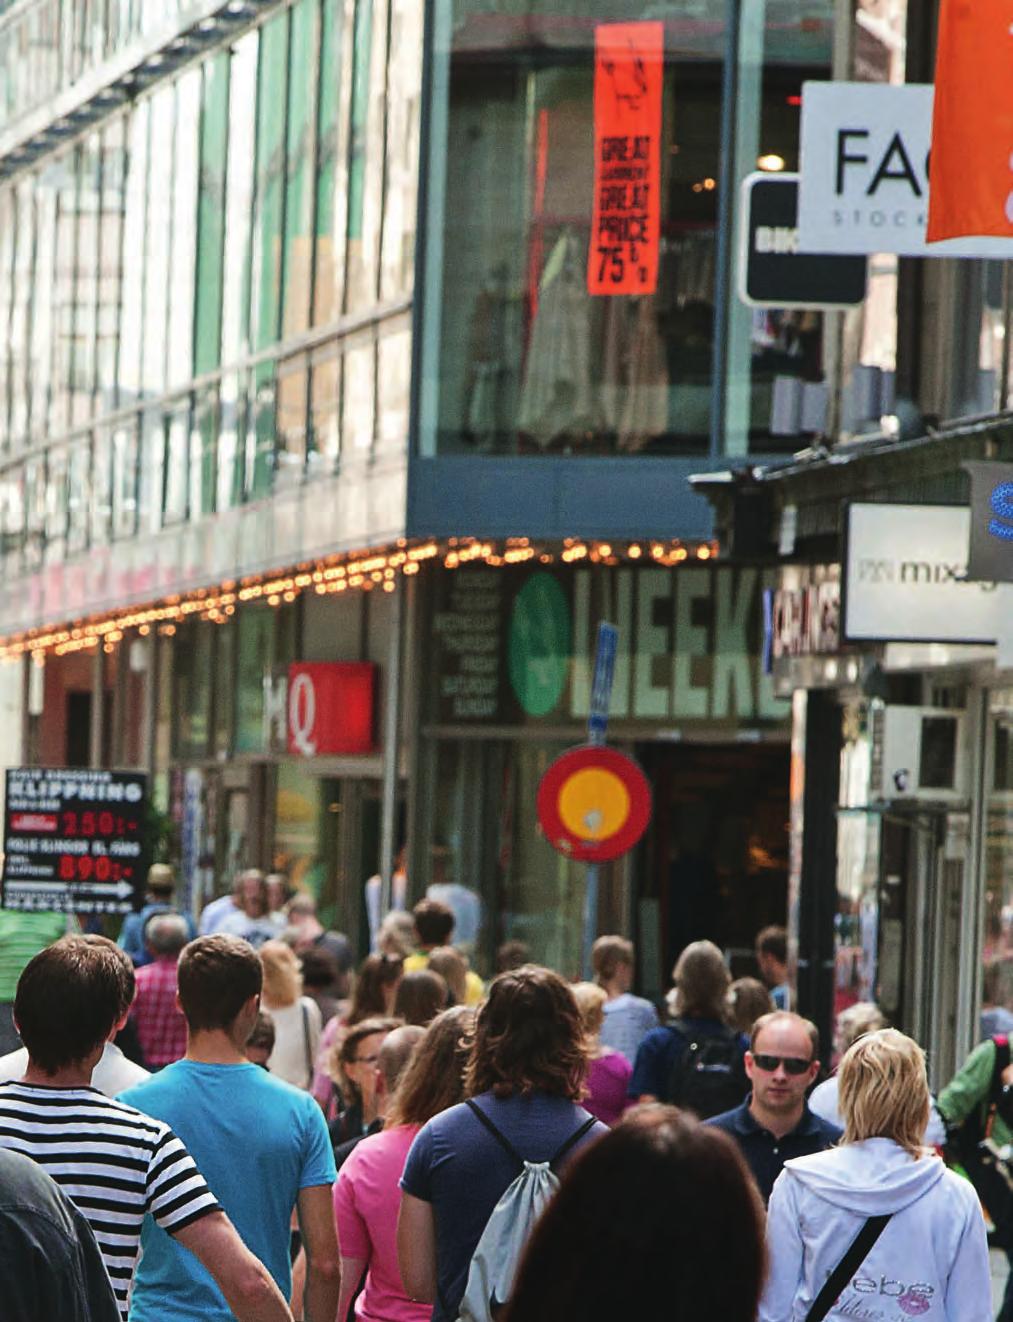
x,y
626,217
971,164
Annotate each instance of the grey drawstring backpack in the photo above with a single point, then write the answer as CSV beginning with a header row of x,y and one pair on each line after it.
x,y
494,1262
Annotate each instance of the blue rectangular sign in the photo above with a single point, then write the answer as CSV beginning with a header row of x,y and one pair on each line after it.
x,y
601,682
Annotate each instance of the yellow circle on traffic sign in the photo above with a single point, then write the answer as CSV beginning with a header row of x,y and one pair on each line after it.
x,y
594,803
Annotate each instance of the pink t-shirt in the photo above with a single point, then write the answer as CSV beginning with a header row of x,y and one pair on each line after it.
x,y
367,1198
608,1078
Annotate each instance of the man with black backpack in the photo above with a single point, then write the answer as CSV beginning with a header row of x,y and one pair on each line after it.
x,y
977,1106
774,1123
694,1062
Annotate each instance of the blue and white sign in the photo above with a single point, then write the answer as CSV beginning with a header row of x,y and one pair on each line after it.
x,y
601,682
864,176
990,545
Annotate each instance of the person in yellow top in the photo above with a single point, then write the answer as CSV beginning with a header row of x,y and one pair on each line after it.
x,y
434,927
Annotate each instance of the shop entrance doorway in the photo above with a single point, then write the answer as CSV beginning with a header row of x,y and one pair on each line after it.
x,y
716,852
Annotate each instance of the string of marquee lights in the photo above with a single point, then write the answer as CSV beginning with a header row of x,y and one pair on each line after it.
x,y
364,572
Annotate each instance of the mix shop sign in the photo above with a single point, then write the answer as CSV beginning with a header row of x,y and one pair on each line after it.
x,y
515,647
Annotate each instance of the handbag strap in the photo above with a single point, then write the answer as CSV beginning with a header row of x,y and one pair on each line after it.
x,y
306,1042
852,1260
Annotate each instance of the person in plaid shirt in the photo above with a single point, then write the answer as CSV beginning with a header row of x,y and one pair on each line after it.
x,y
161,1028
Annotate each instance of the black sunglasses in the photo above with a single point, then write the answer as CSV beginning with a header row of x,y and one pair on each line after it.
x,y
792,1064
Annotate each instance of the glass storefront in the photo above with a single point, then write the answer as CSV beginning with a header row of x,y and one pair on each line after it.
x,y
173,285
512,653
519,356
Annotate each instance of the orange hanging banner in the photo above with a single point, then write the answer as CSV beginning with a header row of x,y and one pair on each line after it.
x,y
971,165
626,217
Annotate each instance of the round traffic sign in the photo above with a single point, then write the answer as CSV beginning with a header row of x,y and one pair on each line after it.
x,y
593,803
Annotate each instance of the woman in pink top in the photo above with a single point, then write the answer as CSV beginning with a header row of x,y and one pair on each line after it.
x,y
608,1071
367,1196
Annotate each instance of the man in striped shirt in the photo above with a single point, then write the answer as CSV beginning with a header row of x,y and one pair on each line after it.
x,y
113,1162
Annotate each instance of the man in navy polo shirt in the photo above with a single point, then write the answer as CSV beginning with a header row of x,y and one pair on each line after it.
x,y
774,1123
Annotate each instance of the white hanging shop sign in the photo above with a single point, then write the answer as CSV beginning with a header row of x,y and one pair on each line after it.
x,y
905,578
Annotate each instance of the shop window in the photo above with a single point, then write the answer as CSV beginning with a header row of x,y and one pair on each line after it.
x,y
177,462
42,304
394,359
203,452
110,264
325,409
293,383
21,308
254,650
125,478
261,431
182,267
997,938
239,198
65,187
359,395
300,192
224,688
101,486
518,355
7,232
328,276
232,430
56,504
269,193
83,364
134,237
12,518
150,470
79,495
404,94
192,672
158,241
211,213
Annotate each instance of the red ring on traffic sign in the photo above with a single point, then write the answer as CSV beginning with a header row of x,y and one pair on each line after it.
x,y
593,803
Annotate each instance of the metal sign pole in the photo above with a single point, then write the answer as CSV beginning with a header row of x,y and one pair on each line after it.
x,y
597,725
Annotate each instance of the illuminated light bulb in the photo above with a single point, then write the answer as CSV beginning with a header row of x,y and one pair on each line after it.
x,y
703,553
634,552
771,162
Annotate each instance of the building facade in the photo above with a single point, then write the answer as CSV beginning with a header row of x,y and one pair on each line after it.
x,y
302,368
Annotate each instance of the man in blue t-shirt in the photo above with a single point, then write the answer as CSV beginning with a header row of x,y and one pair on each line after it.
x,y
261,1144
525,1074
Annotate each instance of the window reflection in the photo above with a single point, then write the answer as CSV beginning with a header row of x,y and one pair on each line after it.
x,y
207,221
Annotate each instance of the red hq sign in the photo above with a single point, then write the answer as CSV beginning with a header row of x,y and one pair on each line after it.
x,y
626,216
330,708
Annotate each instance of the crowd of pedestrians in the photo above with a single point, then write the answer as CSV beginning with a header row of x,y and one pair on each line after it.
x,y
239,1125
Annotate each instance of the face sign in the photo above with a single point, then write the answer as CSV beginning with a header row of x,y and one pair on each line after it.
x,y
779,1090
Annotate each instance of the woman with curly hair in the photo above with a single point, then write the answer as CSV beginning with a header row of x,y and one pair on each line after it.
x,y
524,1076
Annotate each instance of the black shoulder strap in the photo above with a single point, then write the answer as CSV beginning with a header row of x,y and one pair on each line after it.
x,y
845,1269
502,1139
1002,1055
572,1141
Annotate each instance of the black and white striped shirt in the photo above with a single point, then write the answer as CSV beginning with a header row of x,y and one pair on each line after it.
x,y
113,1162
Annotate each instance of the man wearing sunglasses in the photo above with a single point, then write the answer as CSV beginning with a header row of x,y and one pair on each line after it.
x,y
774,1123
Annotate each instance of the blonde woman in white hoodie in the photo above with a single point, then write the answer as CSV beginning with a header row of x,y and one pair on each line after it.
x,y
877,1228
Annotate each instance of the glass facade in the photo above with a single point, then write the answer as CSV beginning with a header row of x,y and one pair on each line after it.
x,y
519,357
176,286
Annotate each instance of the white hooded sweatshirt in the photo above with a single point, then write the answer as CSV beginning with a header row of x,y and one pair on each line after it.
x,y
931,1261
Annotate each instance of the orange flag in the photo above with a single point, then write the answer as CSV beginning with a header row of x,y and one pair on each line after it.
x,y
971,166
